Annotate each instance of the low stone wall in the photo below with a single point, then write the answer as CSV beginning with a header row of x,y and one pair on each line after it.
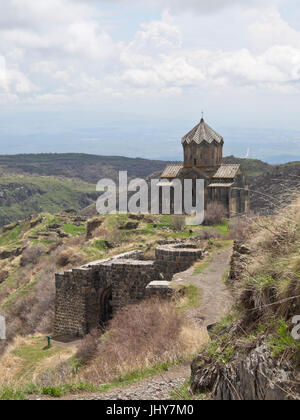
x,y
89,296
159,289
174,258
80,304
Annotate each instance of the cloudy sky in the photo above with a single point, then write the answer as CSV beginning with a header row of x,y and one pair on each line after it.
x,y
130,77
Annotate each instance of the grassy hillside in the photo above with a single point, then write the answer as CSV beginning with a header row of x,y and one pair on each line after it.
x,y
24,195
264,277
251,167
255,341
46,244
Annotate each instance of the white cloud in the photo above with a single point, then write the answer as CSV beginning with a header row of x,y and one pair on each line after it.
x,y
61,51
12,81
200,6
274,68
270,29
157,36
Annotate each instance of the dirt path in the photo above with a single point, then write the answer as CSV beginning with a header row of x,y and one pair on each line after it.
x,y
216,299
215,302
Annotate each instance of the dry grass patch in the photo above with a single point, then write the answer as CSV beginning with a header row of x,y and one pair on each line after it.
x,y
27,359
140,337
69,257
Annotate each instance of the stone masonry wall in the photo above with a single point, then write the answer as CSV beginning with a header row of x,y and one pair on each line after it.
x,y
88,296
174,258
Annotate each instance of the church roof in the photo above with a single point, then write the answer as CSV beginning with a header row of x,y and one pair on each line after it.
x,y
227,171
202,132
172,171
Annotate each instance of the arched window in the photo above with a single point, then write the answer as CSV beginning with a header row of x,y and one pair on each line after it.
x,y
195,161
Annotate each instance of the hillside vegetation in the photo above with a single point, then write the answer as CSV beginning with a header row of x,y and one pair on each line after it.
x,y
88,168
253,354
24,195
33,250
250,348
91,168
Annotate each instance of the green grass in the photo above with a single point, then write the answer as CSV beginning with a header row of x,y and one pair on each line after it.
x,y
45,242
201,266
193,296
282,341
100,244
183,393
33,353
60,390
18,294
9,394
74,230
29,194
261,282
226,322
11,237
223,355
223,228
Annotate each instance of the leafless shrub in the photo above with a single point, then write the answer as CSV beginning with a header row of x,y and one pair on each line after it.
x,y
32,254
239,228
215,213
178,222
76,241
41,315
116,236
208,233
88,347
68,256
54,246
100,233
140,336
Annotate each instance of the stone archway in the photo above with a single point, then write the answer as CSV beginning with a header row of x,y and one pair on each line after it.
x,y
105,306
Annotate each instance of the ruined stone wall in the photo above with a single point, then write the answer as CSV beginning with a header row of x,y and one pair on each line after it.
x,y
70,304
174,258
79,291
88,296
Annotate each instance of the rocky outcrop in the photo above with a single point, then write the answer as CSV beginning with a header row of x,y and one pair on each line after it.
x,y
10,227
239,261
252,375
3,275
275,188
136,217
91,226
240,363
4,254
129,226
36,221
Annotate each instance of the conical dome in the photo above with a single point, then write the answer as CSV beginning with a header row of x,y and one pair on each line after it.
x,y
202,132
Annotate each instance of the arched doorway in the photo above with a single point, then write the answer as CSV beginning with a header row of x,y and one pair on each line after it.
x,y
105,306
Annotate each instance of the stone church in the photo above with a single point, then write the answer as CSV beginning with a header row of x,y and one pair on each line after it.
x,y
203,154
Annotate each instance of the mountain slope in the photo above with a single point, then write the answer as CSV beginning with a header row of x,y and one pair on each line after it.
x,y
89,168
23,195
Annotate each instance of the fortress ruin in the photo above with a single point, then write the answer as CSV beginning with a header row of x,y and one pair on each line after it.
x,y
88,296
